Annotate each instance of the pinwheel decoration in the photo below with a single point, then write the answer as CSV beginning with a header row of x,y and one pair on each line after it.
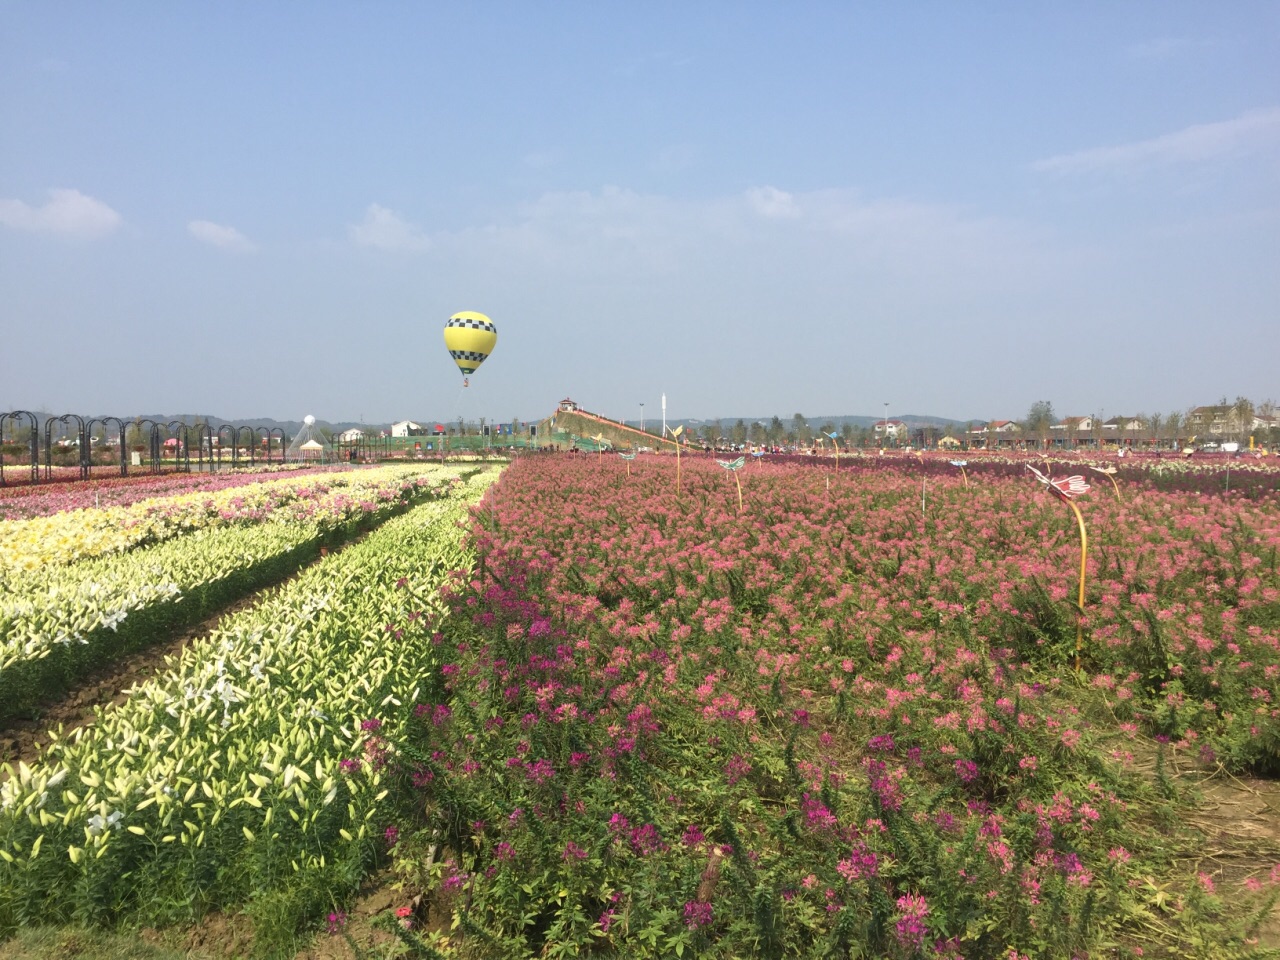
x,y
835,442
1067,489
1110,474
733,466
675,435
601,443
628,457
962,464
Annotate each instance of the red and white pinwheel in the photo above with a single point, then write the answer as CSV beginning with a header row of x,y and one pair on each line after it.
x,y
1066,488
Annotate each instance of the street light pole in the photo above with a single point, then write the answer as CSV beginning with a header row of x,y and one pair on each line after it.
x,y
642,416
886,423
664,415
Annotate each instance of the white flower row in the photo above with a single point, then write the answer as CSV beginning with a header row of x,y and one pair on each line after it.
x,y
220,778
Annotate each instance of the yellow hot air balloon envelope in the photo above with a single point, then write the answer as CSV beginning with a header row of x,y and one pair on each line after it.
x,y
469,337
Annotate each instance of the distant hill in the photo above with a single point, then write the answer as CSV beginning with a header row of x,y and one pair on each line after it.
x,y
291,427
912,420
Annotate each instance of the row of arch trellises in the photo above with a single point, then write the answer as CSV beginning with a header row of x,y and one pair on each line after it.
x,y
209,442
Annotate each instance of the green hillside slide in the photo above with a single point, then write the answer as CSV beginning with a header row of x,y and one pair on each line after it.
x,y
619,435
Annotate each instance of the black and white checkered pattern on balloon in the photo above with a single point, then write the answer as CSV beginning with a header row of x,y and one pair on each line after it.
x,y
468,355
471,324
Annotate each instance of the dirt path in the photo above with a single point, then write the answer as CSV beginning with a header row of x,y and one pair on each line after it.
x,y
1238,817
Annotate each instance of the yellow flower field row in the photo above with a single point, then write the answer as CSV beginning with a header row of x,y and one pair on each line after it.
x,y
27,545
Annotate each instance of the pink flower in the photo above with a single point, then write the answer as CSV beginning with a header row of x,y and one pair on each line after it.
x,y
909,928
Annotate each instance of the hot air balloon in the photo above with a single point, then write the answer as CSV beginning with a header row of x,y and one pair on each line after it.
x,y
469,337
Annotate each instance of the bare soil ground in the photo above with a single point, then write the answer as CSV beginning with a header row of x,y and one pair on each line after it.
x,y
1239,819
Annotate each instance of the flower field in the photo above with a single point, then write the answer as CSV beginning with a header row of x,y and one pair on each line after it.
x,y
233,777
80,587
23,502
843,722
77,533
606,711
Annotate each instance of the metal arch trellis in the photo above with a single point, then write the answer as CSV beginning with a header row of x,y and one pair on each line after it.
x,y
157,447
153,440
120,431
16,416
184,444
235,457
81,442
204,436
252,438
86,447
267,436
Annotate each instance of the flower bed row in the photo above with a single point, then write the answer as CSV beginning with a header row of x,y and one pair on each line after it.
x,y
842,722
228,778
21,503
58,622
1245,478
30,545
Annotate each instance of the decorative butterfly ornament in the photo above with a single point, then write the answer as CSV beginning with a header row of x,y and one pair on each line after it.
x,y
1065,488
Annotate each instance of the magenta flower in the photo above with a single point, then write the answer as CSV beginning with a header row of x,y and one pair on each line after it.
x,y
909,927
697,914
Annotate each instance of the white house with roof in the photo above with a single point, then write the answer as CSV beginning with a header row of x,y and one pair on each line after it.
x,y
996,431
1072,426
406,428
889,428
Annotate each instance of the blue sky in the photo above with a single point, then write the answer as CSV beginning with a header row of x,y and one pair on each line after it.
x,y
270,209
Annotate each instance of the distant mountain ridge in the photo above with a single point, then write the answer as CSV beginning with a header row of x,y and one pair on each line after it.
x,y
910,419
291,427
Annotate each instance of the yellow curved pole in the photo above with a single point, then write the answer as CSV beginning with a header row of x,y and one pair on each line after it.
x,y
1084,551
1115,487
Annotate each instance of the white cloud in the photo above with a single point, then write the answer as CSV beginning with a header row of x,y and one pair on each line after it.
x,y
765,238
68,213
383,229
225,238
772,202
1198,143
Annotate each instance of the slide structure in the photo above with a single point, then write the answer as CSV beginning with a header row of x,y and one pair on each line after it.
x,y
621,436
